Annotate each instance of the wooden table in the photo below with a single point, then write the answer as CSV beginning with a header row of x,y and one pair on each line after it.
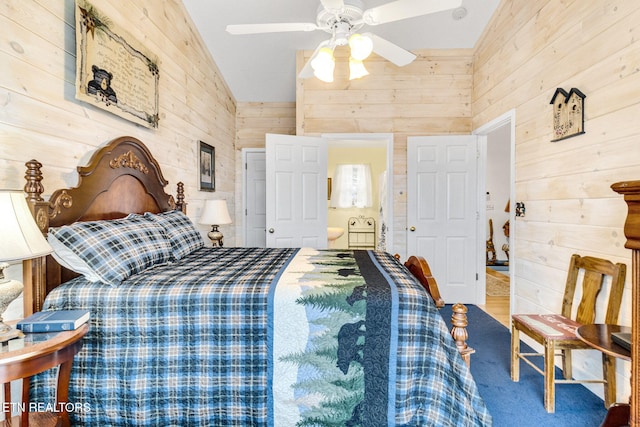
x,y
598,336
22,358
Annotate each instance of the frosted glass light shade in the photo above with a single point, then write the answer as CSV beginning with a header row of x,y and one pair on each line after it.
x,y
20,236
326,76
356,69
351,187
361,46
323,64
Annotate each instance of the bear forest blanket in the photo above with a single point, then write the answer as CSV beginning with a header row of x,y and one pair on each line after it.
x,y
265,337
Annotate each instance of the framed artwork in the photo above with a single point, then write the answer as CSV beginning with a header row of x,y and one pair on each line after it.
x,y
114,72
207,167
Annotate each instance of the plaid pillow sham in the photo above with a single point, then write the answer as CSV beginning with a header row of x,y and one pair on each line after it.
x,y
68,259
116,249
182,234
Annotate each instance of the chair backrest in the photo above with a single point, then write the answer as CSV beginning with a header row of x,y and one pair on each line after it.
x,y
595,270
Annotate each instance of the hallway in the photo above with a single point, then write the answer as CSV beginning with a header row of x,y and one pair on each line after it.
x,y
498,308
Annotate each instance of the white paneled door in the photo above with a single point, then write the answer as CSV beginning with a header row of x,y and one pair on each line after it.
x,y
296,191
255,204
442,214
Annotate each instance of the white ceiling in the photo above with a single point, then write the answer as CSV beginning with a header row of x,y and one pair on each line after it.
x,y
261,68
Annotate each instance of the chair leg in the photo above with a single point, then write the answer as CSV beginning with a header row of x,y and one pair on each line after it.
x,y
549,377
567,364
515,350
609,375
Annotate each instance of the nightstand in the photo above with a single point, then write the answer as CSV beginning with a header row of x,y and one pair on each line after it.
x,y
22,358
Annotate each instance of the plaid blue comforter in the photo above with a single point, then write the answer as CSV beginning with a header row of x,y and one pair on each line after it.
x,y
191,344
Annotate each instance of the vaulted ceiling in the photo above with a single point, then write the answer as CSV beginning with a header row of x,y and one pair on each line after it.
x,y
261,67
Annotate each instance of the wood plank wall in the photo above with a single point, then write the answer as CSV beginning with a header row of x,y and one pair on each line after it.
x,y
431,96
39,117
529,50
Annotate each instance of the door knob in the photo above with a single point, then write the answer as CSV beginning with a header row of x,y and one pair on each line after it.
x,y
271,230
412,228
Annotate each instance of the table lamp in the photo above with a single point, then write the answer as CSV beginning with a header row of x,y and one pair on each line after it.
x,y
215,213
20,239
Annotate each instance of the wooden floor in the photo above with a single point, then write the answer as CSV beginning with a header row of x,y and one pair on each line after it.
x,y
498,308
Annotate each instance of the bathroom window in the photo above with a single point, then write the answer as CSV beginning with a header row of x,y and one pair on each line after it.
x,y
351,186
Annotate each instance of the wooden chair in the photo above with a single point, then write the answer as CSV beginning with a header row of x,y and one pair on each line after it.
x,y
557,332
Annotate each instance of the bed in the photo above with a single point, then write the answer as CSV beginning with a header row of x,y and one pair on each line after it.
x,y
182,334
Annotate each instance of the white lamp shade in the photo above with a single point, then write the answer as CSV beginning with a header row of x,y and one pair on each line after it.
x,y
215,212
20,237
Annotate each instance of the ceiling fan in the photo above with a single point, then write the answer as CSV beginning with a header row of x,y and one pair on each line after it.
x,y
343,19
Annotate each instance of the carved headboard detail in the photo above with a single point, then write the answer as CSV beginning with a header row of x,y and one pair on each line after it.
x,y
121,178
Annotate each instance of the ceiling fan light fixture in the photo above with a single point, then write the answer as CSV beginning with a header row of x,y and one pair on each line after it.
x,y
324,75
361,46
356,69
323,64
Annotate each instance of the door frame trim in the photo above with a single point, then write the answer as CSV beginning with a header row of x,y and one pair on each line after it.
x,y
506,119
389,137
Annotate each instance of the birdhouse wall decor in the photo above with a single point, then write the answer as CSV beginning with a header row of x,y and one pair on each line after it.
x,y
568,113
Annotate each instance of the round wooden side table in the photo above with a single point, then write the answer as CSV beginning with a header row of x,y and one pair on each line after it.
x,y
24,357
598,336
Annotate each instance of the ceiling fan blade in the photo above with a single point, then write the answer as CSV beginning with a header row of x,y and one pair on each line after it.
x,y
332,5
403,9
307,70
390,51
270,28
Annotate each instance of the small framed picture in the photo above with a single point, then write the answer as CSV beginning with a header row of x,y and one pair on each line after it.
x,y
207,167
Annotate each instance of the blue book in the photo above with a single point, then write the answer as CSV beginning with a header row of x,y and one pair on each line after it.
x,y
54,321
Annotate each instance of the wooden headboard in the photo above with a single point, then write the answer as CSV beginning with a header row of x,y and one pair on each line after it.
x,y
121,178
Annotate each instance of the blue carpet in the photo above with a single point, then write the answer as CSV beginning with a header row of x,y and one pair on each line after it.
x,y
521,404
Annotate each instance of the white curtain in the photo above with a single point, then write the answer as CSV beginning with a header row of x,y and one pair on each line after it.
x,y
351,187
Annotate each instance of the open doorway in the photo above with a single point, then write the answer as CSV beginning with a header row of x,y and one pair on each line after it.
x,y
359,218
375,150
498,174
254,186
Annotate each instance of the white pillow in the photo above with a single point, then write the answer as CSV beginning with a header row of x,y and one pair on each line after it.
x,y
68,259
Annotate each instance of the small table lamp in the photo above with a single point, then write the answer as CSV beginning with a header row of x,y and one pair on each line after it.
x,y
215,213
20,239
